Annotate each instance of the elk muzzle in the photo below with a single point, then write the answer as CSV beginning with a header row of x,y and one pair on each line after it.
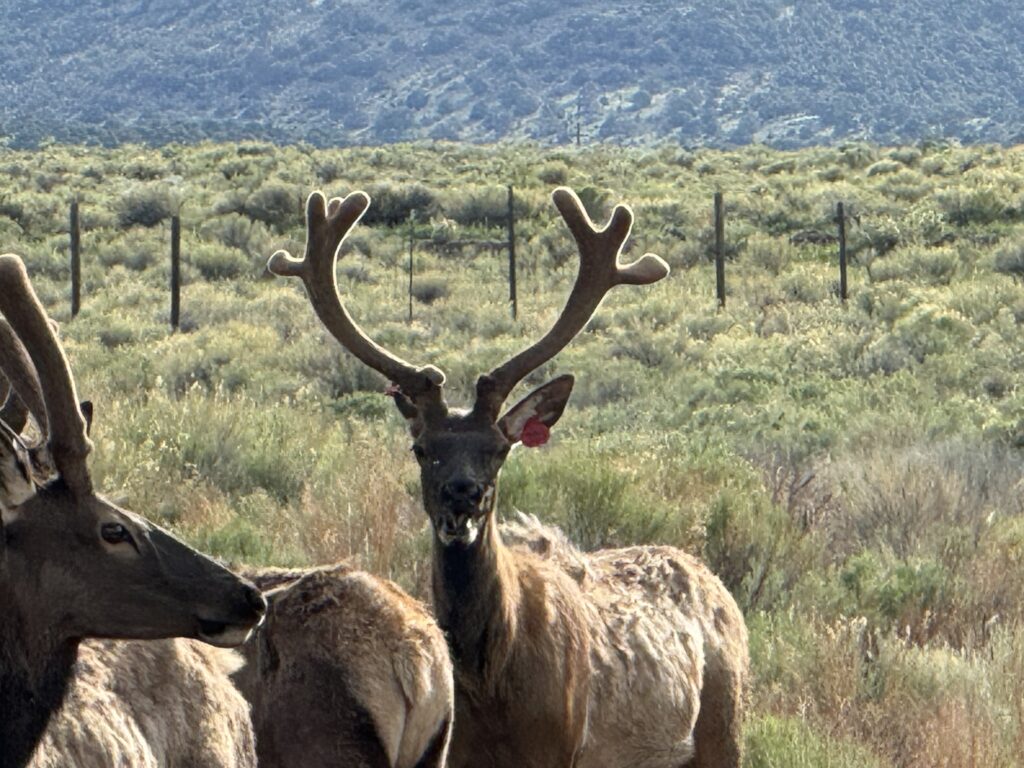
x,y
465,502
232,630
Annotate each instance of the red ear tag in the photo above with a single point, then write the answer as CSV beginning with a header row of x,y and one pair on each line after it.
x,y
535,433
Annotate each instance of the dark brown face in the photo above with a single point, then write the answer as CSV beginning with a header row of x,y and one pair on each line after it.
x,y
461,455
85,568
459,464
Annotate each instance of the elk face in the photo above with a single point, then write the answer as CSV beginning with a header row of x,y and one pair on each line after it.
x,y
91,569
71,562
461,455
459,463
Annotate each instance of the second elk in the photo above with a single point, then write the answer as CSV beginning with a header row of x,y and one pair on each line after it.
x,y
347,670
623,658
80,578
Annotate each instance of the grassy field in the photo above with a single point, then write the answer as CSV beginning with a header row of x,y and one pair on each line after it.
x,y
853,472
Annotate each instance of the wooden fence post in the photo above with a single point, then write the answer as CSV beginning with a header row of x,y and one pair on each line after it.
x,y
720,248
412,237
76,259
512,297
175,271
841,220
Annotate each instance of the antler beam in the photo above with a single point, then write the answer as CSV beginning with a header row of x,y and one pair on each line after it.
x,y
327,225
599,272
67,440
24,395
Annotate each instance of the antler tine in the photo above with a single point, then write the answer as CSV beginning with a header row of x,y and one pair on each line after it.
x,y
24,395
599,272
327,224
66,429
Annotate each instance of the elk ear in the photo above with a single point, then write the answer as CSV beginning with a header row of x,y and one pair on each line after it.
x,y
545,404
16,485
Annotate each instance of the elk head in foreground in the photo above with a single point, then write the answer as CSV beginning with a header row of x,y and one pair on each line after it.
x,y
72,564
460,452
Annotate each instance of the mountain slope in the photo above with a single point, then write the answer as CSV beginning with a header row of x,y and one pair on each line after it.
x,y
334,72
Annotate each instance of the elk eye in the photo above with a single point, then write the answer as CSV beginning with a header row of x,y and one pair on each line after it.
x,y
115,533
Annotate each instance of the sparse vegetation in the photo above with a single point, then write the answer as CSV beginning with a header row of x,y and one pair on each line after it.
x,y
784,74
852,472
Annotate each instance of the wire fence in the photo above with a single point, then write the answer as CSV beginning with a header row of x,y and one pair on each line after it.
x,y
454,245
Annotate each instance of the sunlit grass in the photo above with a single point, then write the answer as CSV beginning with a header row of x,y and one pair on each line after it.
x,y
851,471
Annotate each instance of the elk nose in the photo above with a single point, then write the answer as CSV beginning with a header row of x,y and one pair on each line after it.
x,y
463,489
256,600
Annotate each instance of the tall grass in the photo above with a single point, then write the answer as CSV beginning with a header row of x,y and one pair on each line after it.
x,y
851,471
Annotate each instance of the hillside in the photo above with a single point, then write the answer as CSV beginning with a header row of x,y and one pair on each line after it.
x,y
339,73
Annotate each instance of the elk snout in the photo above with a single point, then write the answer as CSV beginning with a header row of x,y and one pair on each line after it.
x,y
462,492
231,627
255,600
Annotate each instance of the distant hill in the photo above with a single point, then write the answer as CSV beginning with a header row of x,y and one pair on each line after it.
x,y
788,72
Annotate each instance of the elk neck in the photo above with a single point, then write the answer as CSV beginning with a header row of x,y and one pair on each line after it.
x,y
35,670
476,597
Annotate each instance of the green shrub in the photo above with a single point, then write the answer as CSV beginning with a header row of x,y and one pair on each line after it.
x,y
1009,259
596,503
219,263
393,204
484,207
755,548
908,156
276,205
135,251
144,206
925,266
973,206
554,174
857,156
770,253
883,167
781,166
427,290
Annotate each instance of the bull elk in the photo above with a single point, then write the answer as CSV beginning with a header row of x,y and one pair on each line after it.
x,y
638,657
75,566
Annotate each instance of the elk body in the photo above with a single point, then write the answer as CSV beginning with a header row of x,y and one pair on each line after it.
x,y
74,566
347,670
632,657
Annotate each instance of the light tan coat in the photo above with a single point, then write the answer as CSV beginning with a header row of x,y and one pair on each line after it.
x,y
150,704
667,650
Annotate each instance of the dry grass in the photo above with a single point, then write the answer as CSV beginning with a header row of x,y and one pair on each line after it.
x,y
851,471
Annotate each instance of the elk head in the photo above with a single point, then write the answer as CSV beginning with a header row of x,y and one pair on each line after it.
x,y
70,561
461,451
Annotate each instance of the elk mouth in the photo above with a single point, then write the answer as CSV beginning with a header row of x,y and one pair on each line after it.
x,y
224,634
458,527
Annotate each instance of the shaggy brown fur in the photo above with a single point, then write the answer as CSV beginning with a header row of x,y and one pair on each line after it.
x,y
346,670
155,704
668,650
